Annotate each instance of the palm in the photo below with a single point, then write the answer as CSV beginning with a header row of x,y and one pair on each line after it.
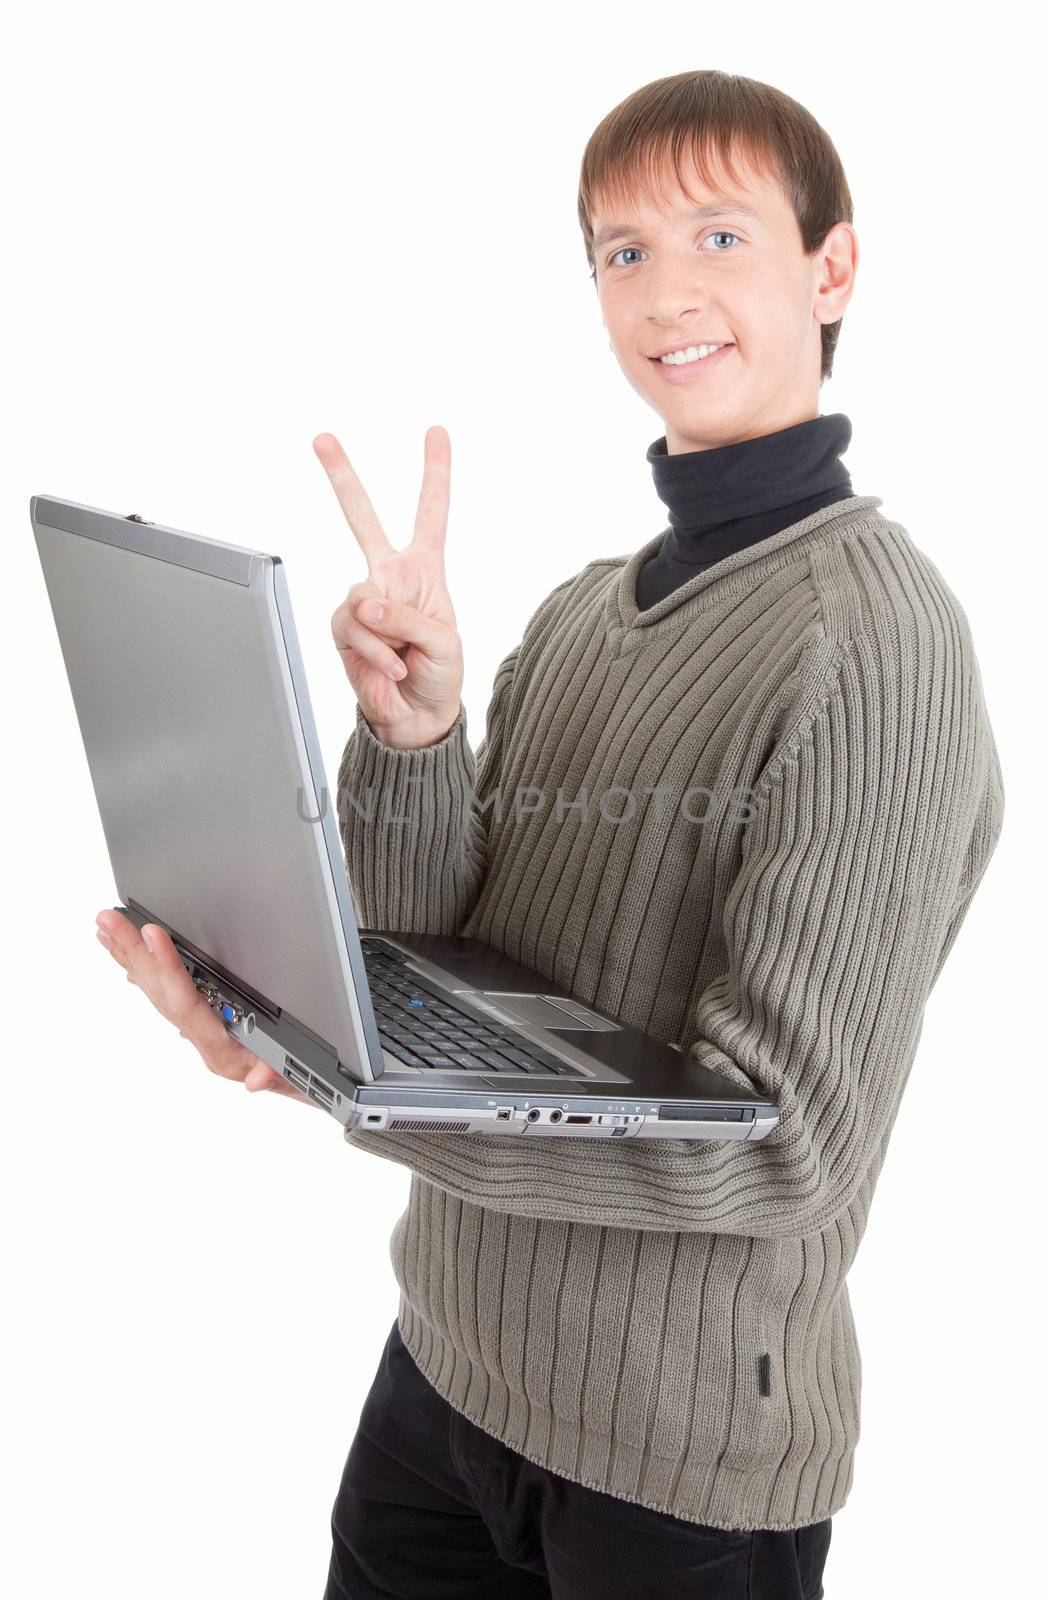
x,y
415,577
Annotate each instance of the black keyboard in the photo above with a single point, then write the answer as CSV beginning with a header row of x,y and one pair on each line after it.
x,y
420,1025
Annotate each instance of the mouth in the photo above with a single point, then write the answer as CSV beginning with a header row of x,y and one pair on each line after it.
x,y
680,370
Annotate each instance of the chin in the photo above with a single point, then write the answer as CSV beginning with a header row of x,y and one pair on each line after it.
x,y
706,427
700,415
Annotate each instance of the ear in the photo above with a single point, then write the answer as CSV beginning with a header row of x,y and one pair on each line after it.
x,y
835,272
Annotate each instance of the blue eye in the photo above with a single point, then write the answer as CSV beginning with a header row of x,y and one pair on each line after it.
x,y
624,251
721,234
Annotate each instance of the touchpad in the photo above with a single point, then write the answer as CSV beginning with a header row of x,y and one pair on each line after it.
x,y
543,1011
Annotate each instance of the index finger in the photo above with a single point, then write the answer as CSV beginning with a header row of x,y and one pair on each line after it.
x,y
353,499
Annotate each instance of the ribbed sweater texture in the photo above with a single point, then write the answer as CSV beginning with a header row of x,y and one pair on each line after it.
x,y
668,1321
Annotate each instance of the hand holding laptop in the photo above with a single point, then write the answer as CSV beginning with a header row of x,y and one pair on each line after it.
x,y
160,975
406,666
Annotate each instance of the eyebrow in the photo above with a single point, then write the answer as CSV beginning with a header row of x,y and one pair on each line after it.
x,y
713,208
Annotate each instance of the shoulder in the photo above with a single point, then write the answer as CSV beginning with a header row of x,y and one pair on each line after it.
x,y
874,583
903,678
893,665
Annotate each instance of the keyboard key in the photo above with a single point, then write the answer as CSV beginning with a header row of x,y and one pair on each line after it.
x,y
377,951
401,1053
524,1059
539,1053
500,1063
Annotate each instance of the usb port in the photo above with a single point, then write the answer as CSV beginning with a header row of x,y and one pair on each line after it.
x,y
578,1119
322,1093
296,1074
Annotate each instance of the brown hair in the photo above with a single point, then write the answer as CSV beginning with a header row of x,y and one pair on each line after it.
x,y
714,115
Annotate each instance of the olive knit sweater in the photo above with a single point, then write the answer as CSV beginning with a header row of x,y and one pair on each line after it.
x,y
668,1322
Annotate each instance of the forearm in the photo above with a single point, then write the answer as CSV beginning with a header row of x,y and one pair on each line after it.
x,y
670,1186
414,842
766,1189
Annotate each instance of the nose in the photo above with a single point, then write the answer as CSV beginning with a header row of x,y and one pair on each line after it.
x,y
675,293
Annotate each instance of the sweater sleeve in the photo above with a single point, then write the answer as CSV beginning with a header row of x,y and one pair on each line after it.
x,y
872,826
413,823
413,835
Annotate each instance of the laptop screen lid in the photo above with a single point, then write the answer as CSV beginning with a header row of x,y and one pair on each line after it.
x,y
190,693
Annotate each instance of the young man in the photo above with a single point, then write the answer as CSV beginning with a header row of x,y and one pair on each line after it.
x,y
630,1370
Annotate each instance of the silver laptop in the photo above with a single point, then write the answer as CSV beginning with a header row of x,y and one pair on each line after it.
x,y
189,688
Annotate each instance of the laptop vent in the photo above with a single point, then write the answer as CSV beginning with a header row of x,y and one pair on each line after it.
x,y
420,1124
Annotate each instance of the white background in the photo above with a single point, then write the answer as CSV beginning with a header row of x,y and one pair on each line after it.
x,y
231,228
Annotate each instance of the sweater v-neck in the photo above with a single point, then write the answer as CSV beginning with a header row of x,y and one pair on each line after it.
x,y
624,619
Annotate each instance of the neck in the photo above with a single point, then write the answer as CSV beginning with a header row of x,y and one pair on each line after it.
x,y
702,488
728,496
785,411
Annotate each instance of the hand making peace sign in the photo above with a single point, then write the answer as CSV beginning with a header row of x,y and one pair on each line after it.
x,y
406,666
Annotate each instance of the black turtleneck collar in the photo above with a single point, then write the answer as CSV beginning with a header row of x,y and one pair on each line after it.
x,y
722,500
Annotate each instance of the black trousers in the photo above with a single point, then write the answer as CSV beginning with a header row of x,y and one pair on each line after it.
x,y
431,1507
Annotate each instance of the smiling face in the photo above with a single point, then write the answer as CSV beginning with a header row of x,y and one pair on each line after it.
x,y
722,266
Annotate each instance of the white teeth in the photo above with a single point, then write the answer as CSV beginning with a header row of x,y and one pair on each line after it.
x,y
694,352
